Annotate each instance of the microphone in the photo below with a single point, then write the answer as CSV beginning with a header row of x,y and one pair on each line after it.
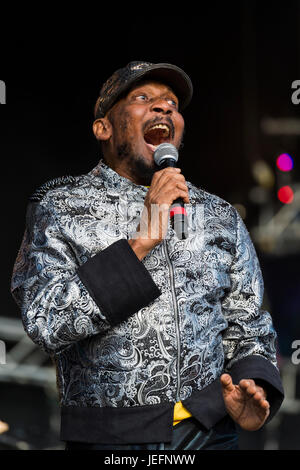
x,y
166,155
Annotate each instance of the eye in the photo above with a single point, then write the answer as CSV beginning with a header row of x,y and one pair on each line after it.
x,y
172,102
141,97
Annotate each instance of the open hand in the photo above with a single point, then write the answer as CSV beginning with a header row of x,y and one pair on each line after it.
x,y
246,402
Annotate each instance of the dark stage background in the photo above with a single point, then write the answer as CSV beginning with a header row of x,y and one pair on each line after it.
x,y
242,58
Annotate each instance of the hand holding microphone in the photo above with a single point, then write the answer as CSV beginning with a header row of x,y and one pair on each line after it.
x,y
166,197
166,155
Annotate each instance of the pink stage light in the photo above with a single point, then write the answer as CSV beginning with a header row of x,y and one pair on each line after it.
x,y
285,162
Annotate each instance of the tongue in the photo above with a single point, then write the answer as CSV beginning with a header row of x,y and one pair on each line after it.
x,y
155,137
151,147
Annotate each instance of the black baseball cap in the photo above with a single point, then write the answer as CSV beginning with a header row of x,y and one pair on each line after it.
x,y
123,79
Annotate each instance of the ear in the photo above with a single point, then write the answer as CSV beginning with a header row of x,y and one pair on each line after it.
x,y
102,129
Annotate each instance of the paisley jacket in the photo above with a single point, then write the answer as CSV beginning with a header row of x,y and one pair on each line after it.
x,y
130,338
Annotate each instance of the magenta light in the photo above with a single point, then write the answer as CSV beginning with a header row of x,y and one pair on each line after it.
x,y
285,162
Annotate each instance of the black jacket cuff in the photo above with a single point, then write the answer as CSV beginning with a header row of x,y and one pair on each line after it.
x,y
118,282
207,405
264,373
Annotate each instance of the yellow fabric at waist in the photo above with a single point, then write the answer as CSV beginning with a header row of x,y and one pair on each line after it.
x,y
180,413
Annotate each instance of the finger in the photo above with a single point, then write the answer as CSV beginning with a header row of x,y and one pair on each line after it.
x,y
262,391
166,171
174,183
179,193
182,186
249,392
250,388
253,392
170,179
264,404
170,173
161,179
245,383
259,398
176,189
159,174
171,168
179,177
226,382
167,188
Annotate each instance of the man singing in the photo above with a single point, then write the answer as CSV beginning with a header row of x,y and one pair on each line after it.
x,y
159,342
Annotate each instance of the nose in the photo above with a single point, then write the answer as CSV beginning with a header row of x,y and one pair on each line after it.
x,y
161,106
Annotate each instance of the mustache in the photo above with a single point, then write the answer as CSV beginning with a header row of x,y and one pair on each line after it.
x,y
159,119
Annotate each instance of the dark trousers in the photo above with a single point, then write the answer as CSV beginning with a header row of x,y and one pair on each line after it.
x,y
187,435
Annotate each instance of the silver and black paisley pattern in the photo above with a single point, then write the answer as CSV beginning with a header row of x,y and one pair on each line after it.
x,y
207,317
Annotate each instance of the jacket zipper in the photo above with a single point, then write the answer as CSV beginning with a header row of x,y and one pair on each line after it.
x,y
176,316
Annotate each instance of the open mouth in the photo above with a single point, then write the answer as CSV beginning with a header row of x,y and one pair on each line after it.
x,y
157,134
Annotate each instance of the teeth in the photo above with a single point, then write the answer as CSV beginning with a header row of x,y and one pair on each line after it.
x,y
161,126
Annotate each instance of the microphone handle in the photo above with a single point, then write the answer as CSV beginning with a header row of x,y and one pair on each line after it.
x,y
178,218
178,215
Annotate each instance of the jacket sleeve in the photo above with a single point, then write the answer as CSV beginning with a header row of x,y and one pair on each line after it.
x,y
250,339
63,302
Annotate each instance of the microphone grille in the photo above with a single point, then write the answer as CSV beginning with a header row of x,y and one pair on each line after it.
x,y
163,151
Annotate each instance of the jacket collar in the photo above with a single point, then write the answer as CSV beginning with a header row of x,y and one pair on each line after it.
x,y
113,180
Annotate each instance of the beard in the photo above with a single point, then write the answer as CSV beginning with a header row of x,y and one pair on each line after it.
x,y
141,170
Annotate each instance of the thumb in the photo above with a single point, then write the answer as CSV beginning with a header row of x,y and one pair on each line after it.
x,y
226,382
